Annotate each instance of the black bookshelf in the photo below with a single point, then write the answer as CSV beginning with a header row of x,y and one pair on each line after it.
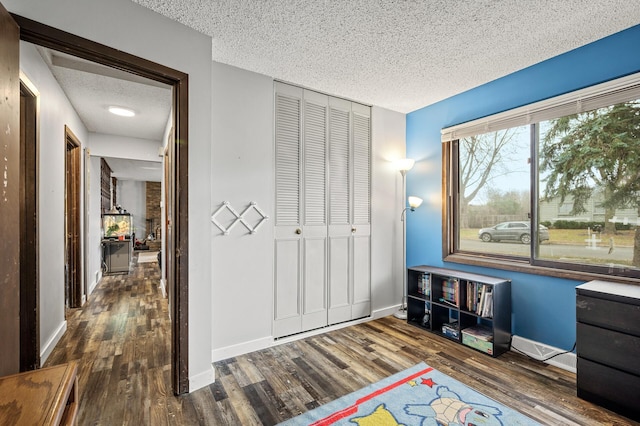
x,y
471,309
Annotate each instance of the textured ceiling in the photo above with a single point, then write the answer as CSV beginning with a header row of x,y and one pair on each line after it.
x,y
92,88
398,54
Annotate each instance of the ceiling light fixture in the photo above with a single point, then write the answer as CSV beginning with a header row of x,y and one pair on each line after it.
x,y
123,112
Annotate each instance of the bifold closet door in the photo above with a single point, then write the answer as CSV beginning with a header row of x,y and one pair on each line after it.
x,y
361,212
300,301
349,211
287,229
340,257
314,212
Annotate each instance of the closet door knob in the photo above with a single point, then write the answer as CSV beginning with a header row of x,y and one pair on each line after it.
x,y
298,231
353,229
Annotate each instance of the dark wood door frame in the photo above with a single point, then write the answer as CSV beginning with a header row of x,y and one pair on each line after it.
x,y
73,285
29,269
177,254
9,195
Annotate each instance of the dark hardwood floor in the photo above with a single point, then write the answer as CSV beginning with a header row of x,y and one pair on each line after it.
x,y
120,339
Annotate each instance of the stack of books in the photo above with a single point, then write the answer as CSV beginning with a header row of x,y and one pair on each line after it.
x,y
451,330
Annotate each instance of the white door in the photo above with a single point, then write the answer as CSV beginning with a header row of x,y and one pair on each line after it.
x,y
361,216
349,211
314,194
287,230
301,225
340,297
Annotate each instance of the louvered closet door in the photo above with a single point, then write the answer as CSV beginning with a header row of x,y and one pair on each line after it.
x,y
339,210
288,231
361,221
314,230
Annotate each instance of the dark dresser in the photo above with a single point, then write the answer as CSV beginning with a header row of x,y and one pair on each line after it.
x,y
608,345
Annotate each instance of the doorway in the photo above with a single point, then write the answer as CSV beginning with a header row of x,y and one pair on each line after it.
x,y
73,260
29,321
177,197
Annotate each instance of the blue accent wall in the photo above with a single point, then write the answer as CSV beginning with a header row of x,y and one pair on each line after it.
x,y
543,307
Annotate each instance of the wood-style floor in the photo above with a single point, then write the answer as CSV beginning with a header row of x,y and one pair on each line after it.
x,y
120,339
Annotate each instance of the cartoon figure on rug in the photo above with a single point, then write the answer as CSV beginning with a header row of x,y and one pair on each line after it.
x,y
380,417
449,410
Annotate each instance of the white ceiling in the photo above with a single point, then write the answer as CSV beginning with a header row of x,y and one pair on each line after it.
x,y
398,54
92,88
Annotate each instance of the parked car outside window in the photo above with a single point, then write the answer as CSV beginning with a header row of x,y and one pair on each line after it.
x,y
512,231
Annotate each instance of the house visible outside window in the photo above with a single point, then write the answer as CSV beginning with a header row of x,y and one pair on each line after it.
x,y
554,185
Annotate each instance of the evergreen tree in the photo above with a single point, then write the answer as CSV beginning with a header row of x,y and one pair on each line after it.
x,y
595,150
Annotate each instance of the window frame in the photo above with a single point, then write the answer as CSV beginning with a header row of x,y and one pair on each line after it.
x,y
450,186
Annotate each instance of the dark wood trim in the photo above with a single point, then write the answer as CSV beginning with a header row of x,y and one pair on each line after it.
x,y
29,262
53,38
105,186
10,195
181,235
43,35
447,235
72,213
526,268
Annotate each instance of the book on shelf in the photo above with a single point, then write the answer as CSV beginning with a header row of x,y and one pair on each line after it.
x,y
450,291
484,305
424,285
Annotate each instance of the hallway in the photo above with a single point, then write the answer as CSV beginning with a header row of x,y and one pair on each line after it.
x,y
121,341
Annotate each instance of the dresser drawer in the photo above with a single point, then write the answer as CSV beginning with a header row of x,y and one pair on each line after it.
x,y
615,349
608,387
609,314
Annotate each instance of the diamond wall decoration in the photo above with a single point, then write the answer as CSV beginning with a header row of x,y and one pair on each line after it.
x,y
252,207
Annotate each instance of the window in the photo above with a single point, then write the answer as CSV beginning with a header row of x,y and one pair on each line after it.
x,y
554,185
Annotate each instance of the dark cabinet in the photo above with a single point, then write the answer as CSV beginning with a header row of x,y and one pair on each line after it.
x,y
116,255
608,345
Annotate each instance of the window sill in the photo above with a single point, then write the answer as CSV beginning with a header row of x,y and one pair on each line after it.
x,y
526,268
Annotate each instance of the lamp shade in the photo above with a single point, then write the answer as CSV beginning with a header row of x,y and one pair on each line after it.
x,y
414,202
404,164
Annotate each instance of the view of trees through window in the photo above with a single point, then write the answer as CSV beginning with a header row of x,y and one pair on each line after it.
x,y
587,175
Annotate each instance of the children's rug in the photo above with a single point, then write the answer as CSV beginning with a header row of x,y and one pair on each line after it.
x,y
417,396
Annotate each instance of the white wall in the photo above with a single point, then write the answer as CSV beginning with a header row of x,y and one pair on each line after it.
x,y
243,171
94,251
123,147
134,29
132,196
388,130
55,113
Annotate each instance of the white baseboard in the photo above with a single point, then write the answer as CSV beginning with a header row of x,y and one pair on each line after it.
x,y
541,351
241,348
267,342
163,287
94,284
48,347
201,380
385,312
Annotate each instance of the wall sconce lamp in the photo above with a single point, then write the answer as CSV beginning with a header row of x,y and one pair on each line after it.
x,y
414,203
